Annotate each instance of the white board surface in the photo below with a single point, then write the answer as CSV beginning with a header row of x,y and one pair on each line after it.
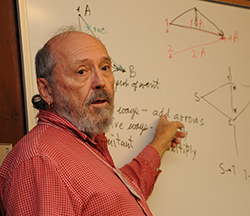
x,y
186,59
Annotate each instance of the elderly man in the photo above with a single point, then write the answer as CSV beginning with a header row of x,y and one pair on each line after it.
x,y
63,166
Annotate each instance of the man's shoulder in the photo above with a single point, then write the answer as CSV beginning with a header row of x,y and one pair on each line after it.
x,y
41,140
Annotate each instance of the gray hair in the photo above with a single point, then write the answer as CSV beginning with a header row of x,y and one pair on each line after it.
x,y
45,62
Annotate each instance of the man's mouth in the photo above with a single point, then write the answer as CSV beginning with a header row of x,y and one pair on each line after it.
x,y
99,101
100,97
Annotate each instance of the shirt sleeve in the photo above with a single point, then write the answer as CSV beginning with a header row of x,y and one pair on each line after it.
x,y
35,188
144,170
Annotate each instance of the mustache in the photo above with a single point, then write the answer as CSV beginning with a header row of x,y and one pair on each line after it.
x,y
99,94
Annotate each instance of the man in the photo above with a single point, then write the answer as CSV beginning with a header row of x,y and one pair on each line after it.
x,y
63,166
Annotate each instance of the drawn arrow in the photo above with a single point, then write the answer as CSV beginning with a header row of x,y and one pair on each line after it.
x,y
117,67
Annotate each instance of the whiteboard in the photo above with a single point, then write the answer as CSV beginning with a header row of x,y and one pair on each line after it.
x,y
186,59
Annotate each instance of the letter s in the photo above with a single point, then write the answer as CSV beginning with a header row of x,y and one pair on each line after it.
x,y
197,97
221,166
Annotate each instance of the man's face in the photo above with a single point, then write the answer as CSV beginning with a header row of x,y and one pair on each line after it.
x,y
83,88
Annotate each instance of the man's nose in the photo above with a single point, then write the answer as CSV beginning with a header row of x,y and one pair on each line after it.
x,y
98,81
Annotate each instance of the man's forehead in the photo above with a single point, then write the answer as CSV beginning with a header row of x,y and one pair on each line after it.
x,y
64,40
87,60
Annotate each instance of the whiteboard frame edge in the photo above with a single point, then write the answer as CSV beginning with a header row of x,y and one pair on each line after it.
x,y
28,75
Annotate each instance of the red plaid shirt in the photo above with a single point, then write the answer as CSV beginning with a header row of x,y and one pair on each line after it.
x,y
57,170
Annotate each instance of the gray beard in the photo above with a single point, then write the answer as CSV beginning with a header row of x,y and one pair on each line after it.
x,y
91,122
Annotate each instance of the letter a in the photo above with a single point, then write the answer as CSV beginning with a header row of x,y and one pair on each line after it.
x,y
201,24
203,52
236,36
87,10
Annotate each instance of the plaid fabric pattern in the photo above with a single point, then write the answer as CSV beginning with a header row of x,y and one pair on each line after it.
x,y
57,170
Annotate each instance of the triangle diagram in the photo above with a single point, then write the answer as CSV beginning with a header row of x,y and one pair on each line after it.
x,y
194,19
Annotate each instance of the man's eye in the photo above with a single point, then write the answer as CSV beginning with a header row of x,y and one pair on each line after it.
x,y
105,68
81,72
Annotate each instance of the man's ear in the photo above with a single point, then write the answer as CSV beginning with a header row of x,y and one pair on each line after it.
x,y
45,90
